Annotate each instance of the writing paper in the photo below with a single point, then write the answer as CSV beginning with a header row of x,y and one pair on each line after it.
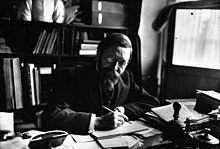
x,y
126,128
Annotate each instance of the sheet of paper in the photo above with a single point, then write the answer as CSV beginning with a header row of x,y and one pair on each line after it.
x,y
126,128
119,141
166,112
82,138
210,93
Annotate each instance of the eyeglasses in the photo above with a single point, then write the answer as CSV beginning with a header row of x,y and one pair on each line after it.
x,y
112,61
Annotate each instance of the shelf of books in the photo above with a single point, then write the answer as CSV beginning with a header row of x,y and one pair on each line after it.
x,y
53,38
23,84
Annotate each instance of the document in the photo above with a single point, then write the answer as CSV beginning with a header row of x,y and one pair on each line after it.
x,y
126,128
82,138
119,142
166,113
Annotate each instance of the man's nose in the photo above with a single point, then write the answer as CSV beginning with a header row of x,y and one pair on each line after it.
x,y
116,66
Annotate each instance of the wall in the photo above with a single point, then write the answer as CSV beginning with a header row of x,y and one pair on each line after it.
x,y
150,44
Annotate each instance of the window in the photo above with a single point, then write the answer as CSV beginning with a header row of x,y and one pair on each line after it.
x,y
197,38
193,52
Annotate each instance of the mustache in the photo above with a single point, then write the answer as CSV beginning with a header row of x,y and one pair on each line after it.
x,y
109,73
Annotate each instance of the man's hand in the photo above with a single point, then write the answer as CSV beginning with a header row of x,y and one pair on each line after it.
x,y
110,120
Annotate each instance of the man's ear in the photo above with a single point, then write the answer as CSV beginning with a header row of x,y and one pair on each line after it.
x,y
99,53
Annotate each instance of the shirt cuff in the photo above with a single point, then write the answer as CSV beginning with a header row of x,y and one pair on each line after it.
x,y
92,123
120,109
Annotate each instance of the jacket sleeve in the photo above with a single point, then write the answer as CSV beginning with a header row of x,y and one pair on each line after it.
x,y
139,100
58,113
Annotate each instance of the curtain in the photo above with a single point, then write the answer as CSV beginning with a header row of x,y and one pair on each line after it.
x,y
162,18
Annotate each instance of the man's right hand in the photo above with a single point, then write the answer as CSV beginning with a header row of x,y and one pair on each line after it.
x,y
110,120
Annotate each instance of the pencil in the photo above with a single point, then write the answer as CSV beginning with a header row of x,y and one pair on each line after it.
x,y
112,111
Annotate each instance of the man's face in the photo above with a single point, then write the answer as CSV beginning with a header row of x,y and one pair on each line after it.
x,y
113,62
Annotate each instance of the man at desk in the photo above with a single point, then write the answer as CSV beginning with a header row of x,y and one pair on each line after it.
x,y
79,94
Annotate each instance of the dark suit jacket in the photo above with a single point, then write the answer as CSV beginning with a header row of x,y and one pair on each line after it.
x,y
77,94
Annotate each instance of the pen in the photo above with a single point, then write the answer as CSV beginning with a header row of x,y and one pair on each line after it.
x,y
113,112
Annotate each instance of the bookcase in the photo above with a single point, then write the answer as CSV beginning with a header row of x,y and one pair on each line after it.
x,y
37,48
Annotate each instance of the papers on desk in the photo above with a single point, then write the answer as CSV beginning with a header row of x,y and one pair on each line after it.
x,y
166,113
126,128
119,142
113,142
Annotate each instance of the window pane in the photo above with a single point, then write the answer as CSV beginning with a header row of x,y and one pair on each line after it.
x,y
197,38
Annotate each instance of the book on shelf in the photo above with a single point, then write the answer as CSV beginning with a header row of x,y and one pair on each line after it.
x,y
7,84
32,85
51,43
87,52
11,84
91,41
67,40
37,85
45,76
40,41
45,44
88,46
18,94
28,84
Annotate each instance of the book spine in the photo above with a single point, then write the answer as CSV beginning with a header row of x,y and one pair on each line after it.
x,y
32,84
37,85
45,76
17,83
9,90
88,46
27,86
3,89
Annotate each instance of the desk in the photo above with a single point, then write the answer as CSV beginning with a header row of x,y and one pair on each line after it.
x,y
152,138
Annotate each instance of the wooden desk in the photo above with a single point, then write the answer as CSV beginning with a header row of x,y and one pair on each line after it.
x,y
87,142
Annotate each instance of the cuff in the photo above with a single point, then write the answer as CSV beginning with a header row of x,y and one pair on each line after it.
x,y
92,123
120,109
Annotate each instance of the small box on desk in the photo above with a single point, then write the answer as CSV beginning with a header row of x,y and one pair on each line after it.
x,y
207,101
